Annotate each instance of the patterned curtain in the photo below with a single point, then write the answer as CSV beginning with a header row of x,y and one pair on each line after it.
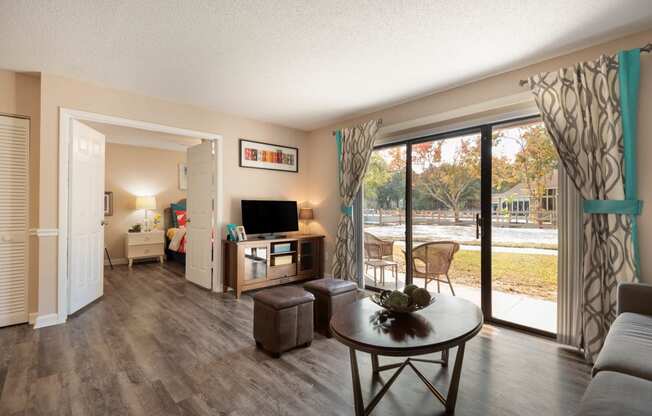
x,y
591,127
354,147
569,262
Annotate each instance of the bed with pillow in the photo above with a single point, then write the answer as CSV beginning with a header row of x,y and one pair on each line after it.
x,y
175,231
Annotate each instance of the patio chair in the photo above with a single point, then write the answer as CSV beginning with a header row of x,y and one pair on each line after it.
x,y
375,248
431,261
376,252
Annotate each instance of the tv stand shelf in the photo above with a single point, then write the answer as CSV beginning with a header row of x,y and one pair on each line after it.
x,y
252,264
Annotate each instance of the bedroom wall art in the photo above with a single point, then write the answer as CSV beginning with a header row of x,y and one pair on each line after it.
x,y
183,176
108,204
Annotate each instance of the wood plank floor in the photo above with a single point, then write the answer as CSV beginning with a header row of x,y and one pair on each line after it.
x,y
156,345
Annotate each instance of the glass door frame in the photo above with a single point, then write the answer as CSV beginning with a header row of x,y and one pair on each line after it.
x,y
485,131
408,218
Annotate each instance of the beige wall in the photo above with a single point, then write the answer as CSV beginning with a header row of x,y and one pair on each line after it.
x,y
20,94
238,182
133,171
323,173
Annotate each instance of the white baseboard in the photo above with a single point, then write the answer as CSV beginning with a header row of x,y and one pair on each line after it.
x,y
32,318
48,320
116,262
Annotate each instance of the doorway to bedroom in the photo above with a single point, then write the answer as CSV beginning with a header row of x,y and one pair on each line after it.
x,y
144,196
137,193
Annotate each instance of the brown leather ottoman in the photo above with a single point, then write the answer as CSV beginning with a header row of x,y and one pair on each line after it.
x,y
283,319
330,296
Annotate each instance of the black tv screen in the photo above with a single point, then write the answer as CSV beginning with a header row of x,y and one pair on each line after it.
x,y
260,217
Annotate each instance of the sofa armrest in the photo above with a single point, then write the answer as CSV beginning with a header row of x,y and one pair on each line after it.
x,y
635,297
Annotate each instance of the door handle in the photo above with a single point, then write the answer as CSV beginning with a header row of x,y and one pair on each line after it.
x,y
478,225
103,223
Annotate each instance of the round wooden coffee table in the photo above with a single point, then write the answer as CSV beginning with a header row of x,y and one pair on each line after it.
x,y
447,323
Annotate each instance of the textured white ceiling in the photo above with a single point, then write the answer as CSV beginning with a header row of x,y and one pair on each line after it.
x,y
299,63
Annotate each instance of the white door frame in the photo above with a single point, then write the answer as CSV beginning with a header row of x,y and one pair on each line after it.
x,y
65,118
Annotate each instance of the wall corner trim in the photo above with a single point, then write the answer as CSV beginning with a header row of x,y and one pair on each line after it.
x,y
48,320
44,232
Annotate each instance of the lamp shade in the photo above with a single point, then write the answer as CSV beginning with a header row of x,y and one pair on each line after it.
x,y
306,214
145,202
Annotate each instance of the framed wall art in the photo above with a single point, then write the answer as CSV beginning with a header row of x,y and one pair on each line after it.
x,y
183,176
108,204
269,156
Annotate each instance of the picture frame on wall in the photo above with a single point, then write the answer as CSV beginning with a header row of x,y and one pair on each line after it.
x,y
108,204
183,176
259,155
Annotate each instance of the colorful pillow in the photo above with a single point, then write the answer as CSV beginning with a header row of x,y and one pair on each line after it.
x,y
174,208
181,218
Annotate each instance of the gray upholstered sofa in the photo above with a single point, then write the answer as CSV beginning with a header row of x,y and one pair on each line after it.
x,y
622,374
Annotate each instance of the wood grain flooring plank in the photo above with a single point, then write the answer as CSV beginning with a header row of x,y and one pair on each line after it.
x,y
45,396
15,391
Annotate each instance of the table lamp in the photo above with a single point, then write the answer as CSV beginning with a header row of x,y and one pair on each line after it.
x,y
306,215
146,203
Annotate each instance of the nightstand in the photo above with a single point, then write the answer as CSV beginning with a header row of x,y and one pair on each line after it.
x,y
145,245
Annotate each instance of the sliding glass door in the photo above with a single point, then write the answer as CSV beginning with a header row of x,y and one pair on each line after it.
x,y
384,218
481,220
446,199
524,225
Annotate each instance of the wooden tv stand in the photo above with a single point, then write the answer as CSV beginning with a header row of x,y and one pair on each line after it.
x,y
258,263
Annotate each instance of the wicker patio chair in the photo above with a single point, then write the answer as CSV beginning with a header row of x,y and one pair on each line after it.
x,y
379,254
375,248
431,261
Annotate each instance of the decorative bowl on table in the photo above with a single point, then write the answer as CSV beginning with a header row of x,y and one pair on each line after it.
x,y
411,299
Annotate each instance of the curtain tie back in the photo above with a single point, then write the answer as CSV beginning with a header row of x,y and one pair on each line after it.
x,y
602,206
347,210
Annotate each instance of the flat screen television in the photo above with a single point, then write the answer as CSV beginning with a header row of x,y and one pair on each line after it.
x,y
269,217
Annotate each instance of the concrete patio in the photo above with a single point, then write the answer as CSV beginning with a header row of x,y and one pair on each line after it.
x,y
512,307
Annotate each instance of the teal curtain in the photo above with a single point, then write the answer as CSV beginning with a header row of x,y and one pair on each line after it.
x,y
629,75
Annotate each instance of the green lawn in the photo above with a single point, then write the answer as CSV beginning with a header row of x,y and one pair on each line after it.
x,y
530,274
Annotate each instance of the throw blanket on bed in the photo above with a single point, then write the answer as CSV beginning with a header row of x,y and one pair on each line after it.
x,y
177,238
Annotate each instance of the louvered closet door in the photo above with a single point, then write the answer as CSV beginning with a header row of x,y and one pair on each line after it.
x,y
14,133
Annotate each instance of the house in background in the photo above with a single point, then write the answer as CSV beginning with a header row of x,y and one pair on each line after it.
x,y
514,204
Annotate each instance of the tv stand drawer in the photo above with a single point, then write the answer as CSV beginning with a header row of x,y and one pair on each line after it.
x,y
286,270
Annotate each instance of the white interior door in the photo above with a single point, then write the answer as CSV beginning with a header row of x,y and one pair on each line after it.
x,y
14,134
86,233
199,206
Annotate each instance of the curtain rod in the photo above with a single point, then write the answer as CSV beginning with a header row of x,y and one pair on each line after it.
x,y
647,49
380,123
